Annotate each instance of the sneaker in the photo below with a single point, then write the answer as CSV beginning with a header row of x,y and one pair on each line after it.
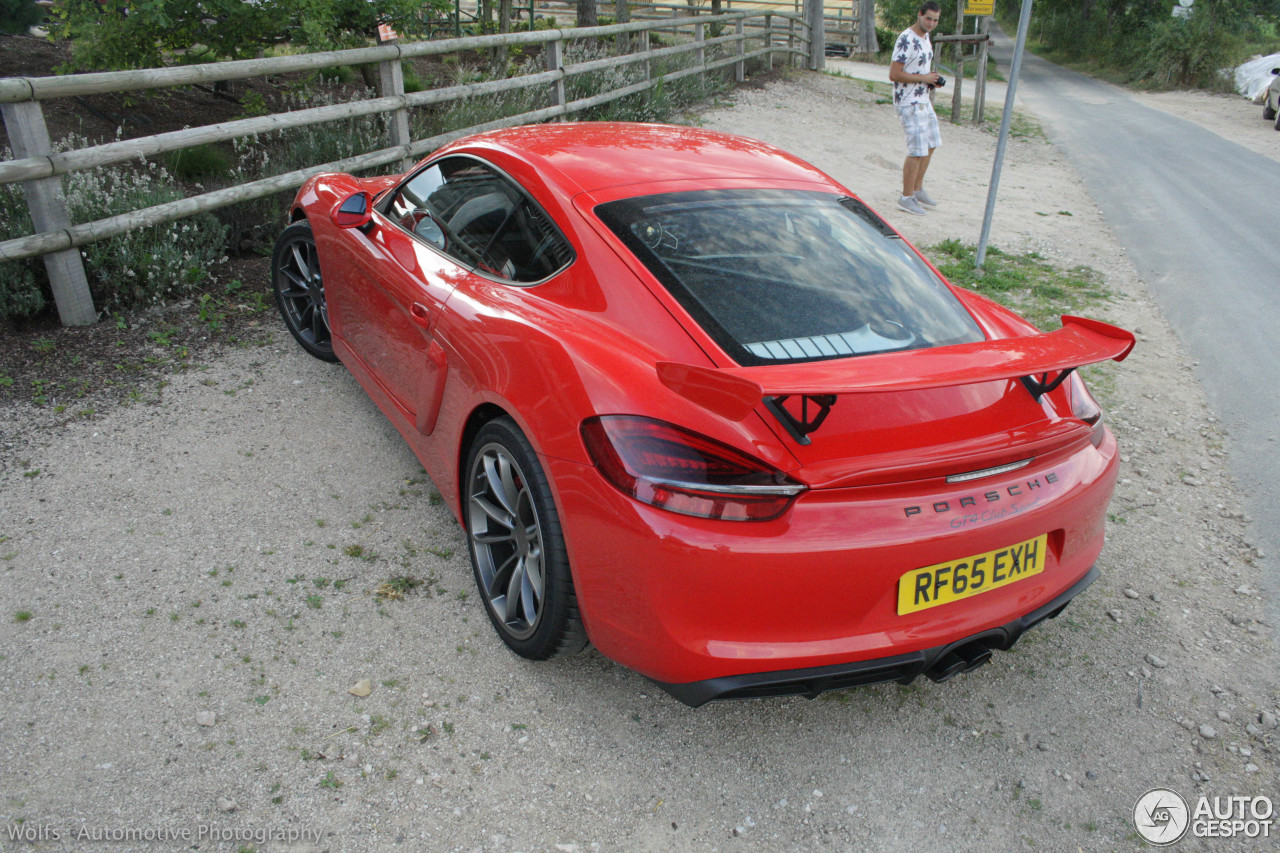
x,y
910,205
923,197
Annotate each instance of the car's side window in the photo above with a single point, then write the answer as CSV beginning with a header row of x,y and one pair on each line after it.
x,y
474,213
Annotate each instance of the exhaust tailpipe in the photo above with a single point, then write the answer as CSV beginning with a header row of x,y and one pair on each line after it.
x,y
963,659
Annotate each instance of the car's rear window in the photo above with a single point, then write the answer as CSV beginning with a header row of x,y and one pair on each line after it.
x,y
780,276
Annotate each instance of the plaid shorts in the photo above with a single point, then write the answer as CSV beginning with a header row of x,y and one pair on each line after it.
x,y
921,126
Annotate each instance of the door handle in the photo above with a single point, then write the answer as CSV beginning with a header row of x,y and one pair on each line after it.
x,y
421,314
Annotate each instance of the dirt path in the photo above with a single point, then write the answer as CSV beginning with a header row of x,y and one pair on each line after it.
x,y
213,557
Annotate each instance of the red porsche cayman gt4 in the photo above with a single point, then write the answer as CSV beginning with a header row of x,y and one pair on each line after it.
x,y
697,404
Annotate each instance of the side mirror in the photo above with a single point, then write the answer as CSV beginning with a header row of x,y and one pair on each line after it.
x,y
354,211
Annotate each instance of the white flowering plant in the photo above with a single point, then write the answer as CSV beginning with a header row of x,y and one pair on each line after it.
x,y
138,267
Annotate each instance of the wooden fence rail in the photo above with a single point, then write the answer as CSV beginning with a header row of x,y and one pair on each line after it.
x,y
39,168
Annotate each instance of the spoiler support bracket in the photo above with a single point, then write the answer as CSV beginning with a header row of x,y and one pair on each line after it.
x,y
1040,387
800,427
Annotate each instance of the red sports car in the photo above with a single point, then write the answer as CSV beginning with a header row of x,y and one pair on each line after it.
x,y
696,403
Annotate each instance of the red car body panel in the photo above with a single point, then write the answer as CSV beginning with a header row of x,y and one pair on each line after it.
x,y
682,599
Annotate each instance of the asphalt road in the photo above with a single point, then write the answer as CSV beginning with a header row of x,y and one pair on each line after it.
x,y
1200,218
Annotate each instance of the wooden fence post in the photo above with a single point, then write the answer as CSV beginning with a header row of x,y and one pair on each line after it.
x,y
555,59
957,103
980,92
815,18
29,136
644,48
700,36
768,37
391,78
740,67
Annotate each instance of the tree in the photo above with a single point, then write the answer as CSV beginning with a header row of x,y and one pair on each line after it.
x,y
1144,41
111,34
587,13
867,43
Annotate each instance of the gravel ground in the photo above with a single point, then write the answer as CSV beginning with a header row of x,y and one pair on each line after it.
x,y
190,608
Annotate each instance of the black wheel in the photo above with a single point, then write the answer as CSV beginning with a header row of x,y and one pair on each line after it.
x,y
299,290
1267,113
517,548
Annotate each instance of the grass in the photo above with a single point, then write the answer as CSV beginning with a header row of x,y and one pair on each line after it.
x,y
1026,282
396,588
1021,126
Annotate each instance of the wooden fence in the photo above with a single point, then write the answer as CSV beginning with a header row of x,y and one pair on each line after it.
x,y
748,35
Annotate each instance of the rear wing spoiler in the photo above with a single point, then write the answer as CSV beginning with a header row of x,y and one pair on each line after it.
x,y
1041,361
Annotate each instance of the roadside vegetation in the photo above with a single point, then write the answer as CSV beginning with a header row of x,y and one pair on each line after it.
x,y
1132,42
1025,282
1141,43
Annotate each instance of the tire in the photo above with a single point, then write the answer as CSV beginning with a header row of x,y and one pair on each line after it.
x,y
517,547
1267,113
299,290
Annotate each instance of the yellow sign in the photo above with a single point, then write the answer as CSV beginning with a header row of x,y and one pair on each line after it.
x,y
944,583
980,7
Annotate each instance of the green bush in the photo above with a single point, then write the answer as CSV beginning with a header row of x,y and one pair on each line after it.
x,y
114,34
150,264
253,225
897,15
412,82
23,292
138,267
200,163
1186,53
1141,42
16,16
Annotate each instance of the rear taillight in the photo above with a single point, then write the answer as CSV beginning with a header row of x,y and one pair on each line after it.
x,y
1083,406
681,471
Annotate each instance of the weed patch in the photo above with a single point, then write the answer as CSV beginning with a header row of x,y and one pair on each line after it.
x,y
1026,282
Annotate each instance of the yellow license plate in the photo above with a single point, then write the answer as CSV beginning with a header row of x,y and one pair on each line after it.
x,y
944,583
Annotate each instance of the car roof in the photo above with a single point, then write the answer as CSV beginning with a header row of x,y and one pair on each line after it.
x,y
591,156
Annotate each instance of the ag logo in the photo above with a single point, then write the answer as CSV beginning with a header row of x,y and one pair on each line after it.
x,y
1161,817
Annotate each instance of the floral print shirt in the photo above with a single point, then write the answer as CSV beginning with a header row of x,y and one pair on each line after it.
x,y
916,55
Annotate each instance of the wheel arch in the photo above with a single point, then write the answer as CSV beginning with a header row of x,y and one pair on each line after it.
x,y
480,415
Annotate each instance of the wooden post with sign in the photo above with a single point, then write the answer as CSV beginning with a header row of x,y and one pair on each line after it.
x,y
980,82
391,81
983,9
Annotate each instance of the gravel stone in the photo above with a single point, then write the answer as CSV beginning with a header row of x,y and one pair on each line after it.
x,y
247,476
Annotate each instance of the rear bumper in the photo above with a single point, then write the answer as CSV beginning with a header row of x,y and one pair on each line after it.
x,y
695,601
900,668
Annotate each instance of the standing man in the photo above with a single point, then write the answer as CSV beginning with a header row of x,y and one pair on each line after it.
x,y
913,77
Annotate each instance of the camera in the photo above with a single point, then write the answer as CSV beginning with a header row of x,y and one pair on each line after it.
x,y
942,81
